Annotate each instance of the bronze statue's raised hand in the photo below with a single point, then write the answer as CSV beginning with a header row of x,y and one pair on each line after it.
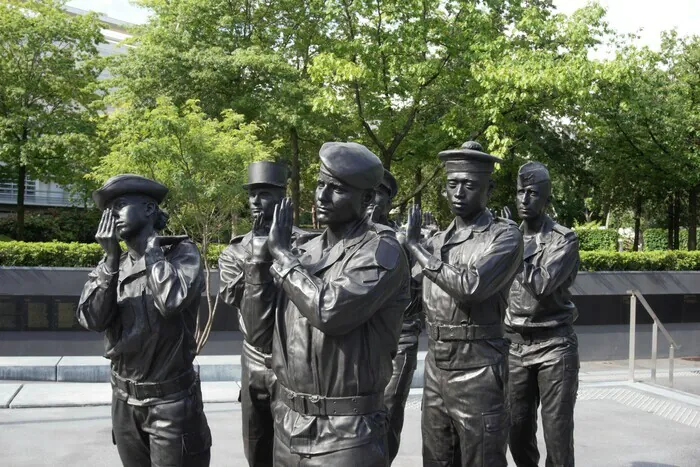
x,y
106,236
505,213
413,228
259,242
280,238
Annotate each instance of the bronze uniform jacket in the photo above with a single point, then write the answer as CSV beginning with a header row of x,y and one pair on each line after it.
x,y
248,286
539,297
148,311
466,282
338,333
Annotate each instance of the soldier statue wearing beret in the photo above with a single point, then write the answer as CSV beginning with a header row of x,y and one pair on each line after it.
x,y
544,350
467,272
146,301
334,342
406,359
247,285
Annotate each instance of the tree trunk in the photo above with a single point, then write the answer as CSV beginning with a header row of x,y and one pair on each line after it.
x,y
669,237
418,180
637,222
21,186
296,200
676,220
693,218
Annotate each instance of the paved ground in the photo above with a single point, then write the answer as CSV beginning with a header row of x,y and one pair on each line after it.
x,y
616,425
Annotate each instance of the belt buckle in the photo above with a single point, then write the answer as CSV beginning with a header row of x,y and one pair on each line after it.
x,y
131,388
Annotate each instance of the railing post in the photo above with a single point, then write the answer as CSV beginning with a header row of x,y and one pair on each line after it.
x,y
654,345
671,355
633,323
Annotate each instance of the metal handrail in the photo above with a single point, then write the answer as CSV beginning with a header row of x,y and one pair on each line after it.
x,y
673,346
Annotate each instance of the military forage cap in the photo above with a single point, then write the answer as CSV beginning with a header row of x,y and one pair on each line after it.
x,y
389,182
352,163
469,158
267,173
531,173
128,184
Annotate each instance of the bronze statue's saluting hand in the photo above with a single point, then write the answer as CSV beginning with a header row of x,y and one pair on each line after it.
x,y
280,239
106,236
413,229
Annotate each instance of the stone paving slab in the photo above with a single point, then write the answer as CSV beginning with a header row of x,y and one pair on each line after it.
x,y
28,368
7,393
63,394
83,369
219,367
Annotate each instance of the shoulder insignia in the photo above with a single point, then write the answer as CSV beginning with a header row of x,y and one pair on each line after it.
x,y
387,254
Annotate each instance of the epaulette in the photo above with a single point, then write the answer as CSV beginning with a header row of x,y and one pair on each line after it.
x,y
505,220
561,230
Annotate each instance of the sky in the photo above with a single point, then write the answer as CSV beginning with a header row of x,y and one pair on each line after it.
x,y
645,17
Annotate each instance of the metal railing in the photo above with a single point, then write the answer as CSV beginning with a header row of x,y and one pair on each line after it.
x,y
634,296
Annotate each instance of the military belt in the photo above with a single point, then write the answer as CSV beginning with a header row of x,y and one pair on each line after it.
x,y
161,389
539,335
309,404
463,332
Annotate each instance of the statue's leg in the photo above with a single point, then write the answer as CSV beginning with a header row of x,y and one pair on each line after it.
x,y
524,401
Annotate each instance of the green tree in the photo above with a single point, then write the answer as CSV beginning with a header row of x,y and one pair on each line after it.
x,y
201,160
49,93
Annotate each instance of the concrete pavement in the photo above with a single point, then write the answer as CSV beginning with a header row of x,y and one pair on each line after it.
x,y
609,432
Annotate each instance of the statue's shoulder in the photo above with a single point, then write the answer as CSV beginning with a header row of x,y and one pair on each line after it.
x,y
562,231
501,224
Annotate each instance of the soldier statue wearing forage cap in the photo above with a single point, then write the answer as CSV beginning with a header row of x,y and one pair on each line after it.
x,y
467,272
345,293
146,300
544,358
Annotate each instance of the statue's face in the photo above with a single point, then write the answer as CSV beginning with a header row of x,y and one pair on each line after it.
x,y
133,213
532,200
382,201
468,193
263,198
337,202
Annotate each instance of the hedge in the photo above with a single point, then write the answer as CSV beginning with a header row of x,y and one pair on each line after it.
x,y
597,239
657,239
89,254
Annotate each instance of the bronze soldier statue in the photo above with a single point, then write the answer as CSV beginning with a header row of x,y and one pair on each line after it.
x,y
468,269
544,359
146,302
406,359
334,342
247,285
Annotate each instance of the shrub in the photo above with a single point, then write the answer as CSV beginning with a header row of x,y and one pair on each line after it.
x,y
657,239
89,254
597,239
640,261
62,225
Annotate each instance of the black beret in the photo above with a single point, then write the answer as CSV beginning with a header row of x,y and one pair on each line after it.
x,y
533,172
389,182
267,173
352,163
127,184
469,158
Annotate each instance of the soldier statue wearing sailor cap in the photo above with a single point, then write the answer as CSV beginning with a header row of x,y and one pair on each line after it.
x,y
544,358
346,291
467,272
146,301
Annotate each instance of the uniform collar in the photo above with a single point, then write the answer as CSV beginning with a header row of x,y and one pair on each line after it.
x,y
543,236
480,224
313,252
